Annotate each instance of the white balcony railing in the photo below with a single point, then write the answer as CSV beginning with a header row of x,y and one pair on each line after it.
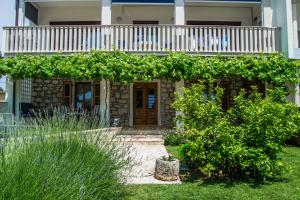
x,y
147,38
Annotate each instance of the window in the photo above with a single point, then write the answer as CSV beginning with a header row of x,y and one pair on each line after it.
x,y
68,94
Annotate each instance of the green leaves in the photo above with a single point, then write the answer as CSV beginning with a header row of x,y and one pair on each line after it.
x,y
243,142
127,68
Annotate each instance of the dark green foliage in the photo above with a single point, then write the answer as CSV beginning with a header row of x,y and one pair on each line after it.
x,y
243,142
127,68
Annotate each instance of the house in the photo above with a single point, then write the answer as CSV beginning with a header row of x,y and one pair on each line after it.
x,y
201,27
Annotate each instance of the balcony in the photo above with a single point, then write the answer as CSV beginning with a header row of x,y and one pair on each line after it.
x,y
141,39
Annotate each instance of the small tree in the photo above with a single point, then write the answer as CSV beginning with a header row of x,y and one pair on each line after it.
x,y
244,141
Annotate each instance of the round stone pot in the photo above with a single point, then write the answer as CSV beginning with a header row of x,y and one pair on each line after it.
x,y
166,170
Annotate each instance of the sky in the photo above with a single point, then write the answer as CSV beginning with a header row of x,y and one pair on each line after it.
x,y
7,16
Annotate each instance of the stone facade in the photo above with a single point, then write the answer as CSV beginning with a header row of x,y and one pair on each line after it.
x,y
46,93
120,102
167,96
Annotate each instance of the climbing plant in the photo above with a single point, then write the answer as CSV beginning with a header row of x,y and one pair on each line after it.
x,y
127,67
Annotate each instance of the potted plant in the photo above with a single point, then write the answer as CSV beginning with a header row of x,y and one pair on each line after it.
x,y
167,168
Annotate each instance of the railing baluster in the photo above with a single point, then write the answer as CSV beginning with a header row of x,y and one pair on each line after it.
x,y
214,39
25,39
247,39
80,39
47,39
251,39
273,49
61,38
186,38
205,40
43,33
201,39
56,38
117,37
12,35
112,36
93,37
29,36
33,39
135,38
66,39
259,40
89,38
75,46
121,37
84,38
219,39
158,38
255,40
149,43
228,40
269,40
197,39
52,39
233,39
70,39
237,33
130,38
163,38
242,40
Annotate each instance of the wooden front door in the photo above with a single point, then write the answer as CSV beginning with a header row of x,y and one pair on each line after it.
x,y
145,104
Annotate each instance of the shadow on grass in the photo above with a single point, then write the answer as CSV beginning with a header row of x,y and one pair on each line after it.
x,y
227,182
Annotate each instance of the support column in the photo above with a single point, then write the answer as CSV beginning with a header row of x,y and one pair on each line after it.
x,y
266,13
179,14
295,25
179,85
279,14
104,101
179,19
106,12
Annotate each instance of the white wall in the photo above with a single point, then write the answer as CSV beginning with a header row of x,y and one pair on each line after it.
x,y
163,14
47,14
243,15
128,13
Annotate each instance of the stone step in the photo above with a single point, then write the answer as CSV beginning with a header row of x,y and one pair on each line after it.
x,y
142,139
142,132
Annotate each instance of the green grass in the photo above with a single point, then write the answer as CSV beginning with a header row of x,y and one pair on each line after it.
x,y
287,188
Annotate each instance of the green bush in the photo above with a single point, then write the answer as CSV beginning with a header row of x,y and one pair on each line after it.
x,y
173,139
243,142
62,164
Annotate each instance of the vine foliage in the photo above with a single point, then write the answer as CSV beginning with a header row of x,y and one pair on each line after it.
x,y
127,68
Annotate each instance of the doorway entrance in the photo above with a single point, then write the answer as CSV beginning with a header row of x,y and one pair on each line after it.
x,y
145,104
83,96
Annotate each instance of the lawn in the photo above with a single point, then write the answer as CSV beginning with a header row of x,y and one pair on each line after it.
x,y
288,188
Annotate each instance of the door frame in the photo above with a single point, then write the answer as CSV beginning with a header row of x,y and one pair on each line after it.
x,y
131,110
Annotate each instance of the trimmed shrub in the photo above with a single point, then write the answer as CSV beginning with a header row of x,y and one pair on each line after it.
x,y
244,141
61,164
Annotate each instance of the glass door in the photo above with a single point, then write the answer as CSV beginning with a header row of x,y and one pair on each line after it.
x,y
83,97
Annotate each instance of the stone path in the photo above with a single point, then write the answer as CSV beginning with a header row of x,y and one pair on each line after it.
x,y
146,149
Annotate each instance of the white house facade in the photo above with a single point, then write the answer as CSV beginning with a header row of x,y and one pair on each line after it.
x,y
201,27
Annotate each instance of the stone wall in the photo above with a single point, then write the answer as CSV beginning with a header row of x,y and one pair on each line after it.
x,y
167,96
119,102
46,93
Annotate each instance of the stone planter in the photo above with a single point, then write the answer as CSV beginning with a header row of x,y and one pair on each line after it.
x,y
167,169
